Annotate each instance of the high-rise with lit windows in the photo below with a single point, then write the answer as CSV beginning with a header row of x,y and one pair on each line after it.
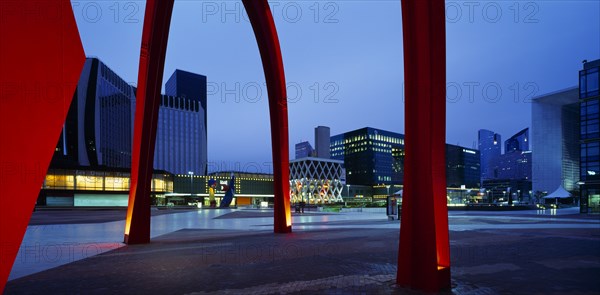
x,y
376,157
371,156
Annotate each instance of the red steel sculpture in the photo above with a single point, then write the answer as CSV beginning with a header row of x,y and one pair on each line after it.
x,y
423,260
424,254
152,61
41,58
152,58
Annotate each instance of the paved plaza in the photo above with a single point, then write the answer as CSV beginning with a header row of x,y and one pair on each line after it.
x,y
230,251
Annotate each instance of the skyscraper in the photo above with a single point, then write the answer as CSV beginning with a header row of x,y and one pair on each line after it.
x,y
322,142
99,124
462,167
518,142
555,140
490,149
374,157
190,118
589,98
371,156
98,130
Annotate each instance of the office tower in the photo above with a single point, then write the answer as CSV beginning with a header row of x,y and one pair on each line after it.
x,y
490,150
589,99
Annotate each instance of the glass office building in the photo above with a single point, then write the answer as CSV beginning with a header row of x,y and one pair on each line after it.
x,y
98,130
376,157
183,131
517,142
371,156
589,98
462,167
490,149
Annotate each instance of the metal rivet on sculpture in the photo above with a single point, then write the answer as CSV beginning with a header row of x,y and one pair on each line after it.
x,y
423,260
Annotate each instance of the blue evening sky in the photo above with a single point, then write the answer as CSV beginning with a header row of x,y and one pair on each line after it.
x,y
344,64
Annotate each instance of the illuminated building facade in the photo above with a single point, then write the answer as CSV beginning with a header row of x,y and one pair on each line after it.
x,y
316,180
250,189
84,187
589,98
371,156
376,157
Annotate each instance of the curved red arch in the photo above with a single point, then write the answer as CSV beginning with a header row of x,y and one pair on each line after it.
x,y
152,59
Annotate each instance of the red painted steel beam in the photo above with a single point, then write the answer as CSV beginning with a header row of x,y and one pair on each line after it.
x,y
155,35
424,257
265,32
41,58
152,57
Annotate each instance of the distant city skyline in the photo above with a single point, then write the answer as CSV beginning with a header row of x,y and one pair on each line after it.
x,y
344,64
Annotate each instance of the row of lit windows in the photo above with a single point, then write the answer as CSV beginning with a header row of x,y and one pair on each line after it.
x,y
99,183
388,139
384,178
372,137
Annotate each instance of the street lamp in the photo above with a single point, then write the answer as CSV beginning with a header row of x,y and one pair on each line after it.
x,y
191,173
348,186
388,189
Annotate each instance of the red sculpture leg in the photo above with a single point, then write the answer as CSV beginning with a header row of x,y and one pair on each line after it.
x,y
270,52
155,34
423,257
40,62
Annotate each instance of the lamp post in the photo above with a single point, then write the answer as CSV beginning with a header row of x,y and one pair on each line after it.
x,y
348,187
388,190
191,173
